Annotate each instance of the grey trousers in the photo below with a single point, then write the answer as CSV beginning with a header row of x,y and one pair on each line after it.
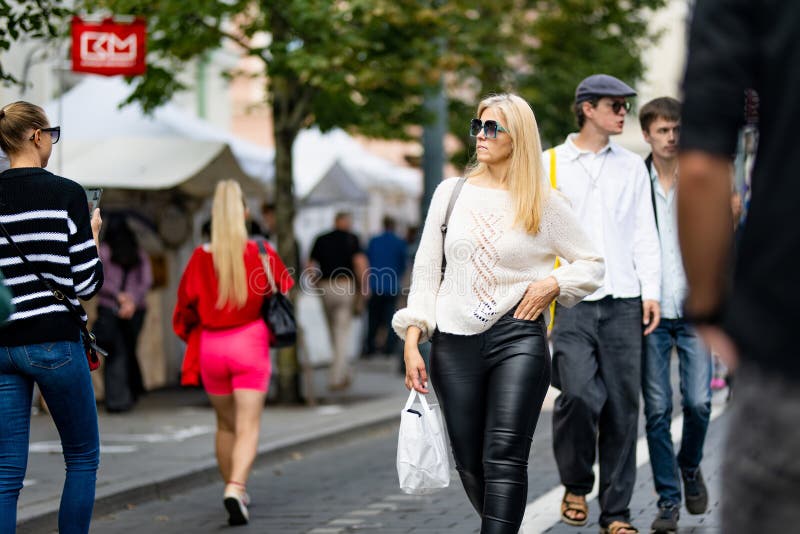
x,y
761,466
597,359
338,298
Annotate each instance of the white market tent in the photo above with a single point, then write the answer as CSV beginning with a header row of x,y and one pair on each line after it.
x,y
107,146
90,112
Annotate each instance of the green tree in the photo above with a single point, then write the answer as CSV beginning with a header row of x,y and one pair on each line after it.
x,y
541,49
366,65
30,19
577,38
359,64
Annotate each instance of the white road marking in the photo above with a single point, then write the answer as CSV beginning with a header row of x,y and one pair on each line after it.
x,y
51,447
126,443
329,410
179,435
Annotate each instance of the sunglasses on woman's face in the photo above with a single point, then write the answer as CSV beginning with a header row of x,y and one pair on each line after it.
x,y
489,127
55,133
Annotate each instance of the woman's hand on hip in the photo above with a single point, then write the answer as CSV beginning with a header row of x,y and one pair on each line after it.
x,y
416,374
537,298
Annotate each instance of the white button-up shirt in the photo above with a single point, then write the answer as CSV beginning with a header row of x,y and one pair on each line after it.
x,y
610,193
673,279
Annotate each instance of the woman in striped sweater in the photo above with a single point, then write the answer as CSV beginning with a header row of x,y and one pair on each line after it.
x,y
48,218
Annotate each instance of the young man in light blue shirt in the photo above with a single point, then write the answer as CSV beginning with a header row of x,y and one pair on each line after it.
x,y
660,122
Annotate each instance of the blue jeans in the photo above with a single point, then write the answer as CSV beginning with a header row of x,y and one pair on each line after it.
x,y
62,373
695,375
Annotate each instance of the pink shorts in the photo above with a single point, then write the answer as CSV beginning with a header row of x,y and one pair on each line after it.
x,y
236,358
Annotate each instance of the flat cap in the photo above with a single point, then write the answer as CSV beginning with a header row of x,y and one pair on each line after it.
x,y
602,85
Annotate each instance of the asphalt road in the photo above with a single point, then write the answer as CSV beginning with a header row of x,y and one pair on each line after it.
x,y
352,487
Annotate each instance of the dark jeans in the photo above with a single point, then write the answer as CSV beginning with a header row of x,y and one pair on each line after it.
x,y
597,358
62,373
491,387
121,372
380,310
761,466
695,373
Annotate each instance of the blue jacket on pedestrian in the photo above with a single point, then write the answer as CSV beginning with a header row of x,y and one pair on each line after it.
x,y
387,255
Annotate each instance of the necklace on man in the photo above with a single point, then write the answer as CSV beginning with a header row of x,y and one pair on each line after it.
x,y
594,179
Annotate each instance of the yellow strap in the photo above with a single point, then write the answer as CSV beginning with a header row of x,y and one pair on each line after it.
x,y
554,185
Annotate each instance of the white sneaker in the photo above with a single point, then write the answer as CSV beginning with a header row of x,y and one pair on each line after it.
x,y
236,505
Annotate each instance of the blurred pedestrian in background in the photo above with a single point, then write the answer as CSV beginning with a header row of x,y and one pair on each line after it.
x,y
484,314
269,223
597,345
270,230
120,313
48,218
342,269
387,255
218,312
660,122
736,45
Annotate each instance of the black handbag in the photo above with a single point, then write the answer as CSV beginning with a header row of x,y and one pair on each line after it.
x,y
277,310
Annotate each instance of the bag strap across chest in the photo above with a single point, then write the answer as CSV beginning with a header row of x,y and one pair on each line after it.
x,y
450,205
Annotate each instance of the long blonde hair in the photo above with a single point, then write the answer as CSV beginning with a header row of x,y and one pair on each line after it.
x,y
228,243
525,172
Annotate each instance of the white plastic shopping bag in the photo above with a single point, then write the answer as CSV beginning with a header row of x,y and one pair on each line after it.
x,y
423,460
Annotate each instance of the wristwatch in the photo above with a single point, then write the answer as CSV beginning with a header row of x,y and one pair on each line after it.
x,y
709,318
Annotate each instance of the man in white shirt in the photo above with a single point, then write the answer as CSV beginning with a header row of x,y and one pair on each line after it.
x,y
597,345
660,121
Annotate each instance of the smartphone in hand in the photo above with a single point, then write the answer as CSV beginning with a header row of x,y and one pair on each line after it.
x,y
93,197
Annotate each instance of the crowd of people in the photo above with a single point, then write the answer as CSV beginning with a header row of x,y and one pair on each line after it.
x,y
635,252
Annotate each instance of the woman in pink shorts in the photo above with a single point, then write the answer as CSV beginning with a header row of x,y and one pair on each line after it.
x,y
218,314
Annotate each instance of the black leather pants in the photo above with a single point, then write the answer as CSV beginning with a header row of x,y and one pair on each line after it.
x,y
491,387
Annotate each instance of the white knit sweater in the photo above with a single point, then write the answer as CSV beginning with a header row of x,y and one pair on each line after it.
x,y
491,261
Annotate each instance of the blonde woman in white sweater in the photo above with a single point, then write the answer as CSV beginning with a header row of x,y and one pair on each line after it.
x,y
485,316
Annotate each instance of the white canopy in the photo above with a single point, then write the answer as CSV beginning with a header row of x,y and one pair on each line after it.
x,y
90,112
119,162
105,145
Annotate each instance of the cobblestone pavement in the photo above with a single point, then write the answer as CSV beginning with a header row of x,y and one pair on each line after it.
x,y
352,487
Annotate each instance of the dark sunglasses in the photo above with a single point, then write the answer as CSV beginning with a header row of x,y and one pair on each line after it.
x,y
55,133
617,105
490,128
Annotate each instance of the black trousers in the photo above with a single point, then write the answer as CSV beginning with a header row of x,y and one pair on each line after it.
x,y
380,310
490,388
121,372
597,365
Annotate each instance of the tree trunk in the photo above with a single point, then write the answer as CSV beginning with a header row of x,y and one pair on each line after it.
x,y
285,134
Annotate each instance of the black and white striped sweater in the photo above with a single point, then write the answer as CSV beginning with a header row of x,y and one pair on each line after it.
x,y
48,217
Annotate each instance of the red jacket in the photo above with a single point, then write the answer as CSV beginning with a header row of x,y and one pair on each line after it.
x,y
196,308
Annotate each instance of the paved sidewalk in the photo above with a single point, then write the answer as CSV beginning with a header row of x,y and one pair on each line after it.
x,y
167,442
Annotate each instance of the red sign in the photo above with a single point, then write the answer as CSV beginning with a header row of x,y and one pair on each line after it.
x,y
108,47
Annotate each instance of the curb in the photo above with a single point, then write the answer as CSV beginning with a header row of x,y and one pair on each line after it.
x,y
44,517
